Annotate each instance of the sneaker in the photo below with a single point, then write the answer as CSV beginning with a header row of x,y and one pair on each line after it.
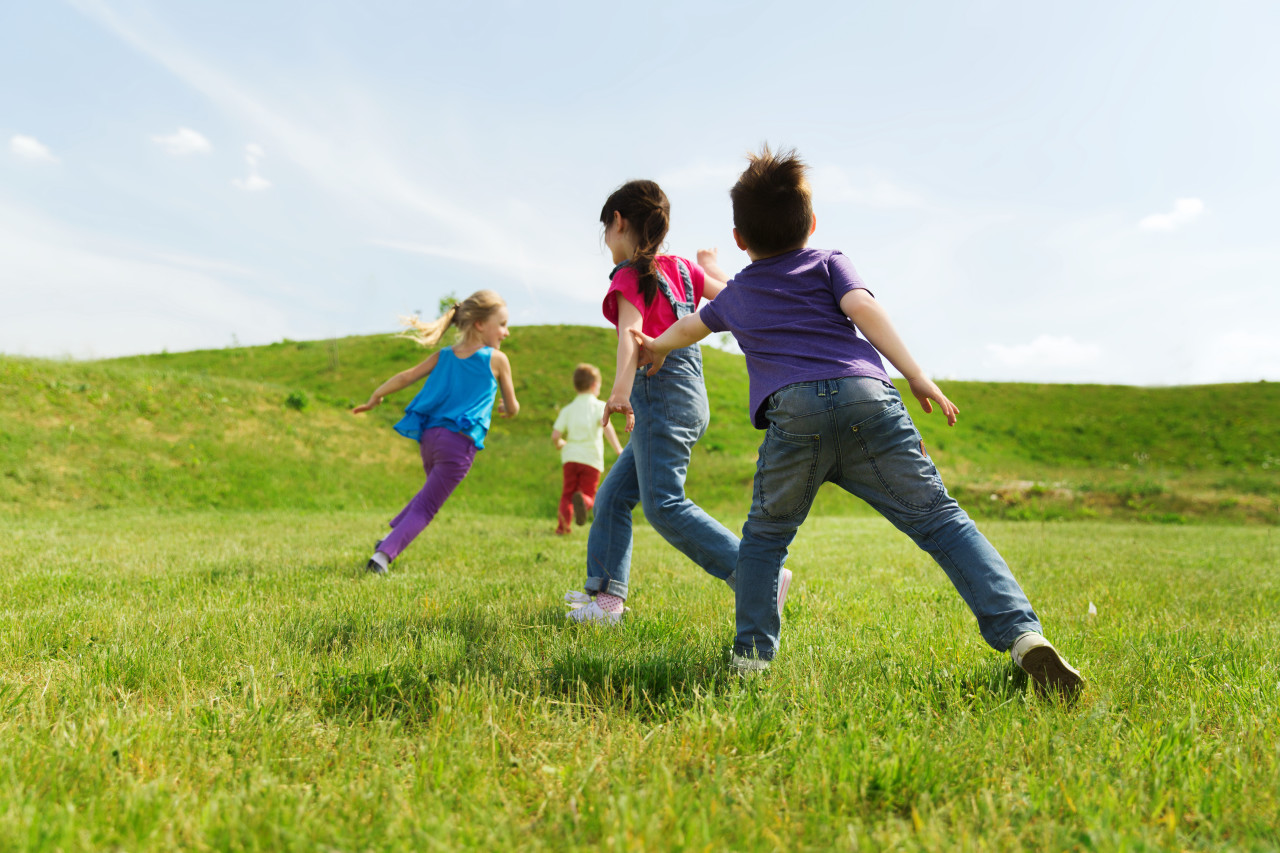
x,y
784,584
374,567
579,509
745,666
592,612
576,598
1047,667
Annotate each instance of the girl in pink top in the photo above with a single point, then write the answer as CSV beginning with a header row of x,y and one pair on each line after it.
x,y
665,414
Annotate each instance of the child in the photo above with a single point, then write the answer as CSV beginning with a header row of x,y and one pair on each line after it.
x,y
450,415
578,436
668,410
831,414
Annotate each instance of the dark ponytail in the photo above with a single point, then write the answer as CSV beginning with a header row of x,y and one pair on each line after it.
x,y
644,206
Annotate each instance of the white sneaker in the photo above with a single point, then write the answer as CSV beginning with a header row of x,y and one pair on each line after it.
x,y
747,666
593,612
1048,669
575,598
784,584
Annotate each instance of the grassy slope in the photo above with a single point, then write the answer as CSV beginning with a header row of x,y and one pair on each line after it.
x,y
212,429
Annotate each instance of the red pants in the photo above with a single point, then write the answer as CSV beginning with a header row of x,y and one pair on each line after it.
x,y
577,478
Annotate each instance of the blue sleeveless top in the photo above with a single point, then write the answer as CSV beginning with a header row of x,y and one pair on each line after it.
x,y
458,395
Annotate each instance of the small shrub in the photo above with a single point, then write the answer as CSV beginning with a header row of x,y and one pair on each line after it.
x,y
297,400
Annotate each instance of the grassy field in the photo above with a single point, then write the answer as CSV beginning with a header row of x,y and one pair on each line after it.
x,y
266,427
191,656
233,681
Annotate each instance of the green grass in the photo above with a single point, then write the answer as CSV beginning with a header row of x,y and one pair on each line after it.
x,y
266,427
232,680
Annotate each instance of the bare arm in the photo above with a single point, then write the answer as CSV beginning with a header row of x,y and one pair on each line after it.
x,y
629,322
709,260
686,331
401,380
873,321
501,366
612,434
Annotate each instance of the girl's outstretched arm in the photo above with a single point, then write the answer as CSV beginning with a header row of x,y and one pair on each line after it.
x,y
502,372
709,260
403,379
624,376
873,321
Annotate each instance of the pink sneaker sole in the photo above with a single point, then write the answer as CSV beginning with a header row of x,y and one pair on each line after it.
x,y
784,584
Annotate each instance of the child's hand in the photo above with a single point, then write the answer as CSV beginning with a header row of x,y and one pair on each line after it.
x,y
364,407
618,404
924,390
708,257
647,354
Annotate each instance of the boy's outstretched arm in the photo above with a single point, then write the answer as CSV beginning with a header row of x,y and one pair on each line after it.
x,y
611,435
686,331
873,321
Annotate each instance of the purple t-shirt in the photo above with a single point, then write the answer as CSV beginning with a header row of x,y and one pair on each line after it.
x,y
785,313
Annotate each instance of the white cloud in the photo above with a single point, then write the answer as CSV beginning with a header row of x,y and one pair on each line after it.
x,y
73,292
253,153
867,189
182,142
1046,351
1239,355
1184,211
30,148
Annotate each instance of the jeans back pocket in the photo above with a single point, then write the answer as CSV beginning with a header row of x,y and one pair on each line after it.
x,y
893,446
786,473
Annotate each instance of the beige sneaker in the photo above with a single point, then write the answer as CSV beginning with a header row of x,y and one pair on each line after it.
x,y
1047,667
745,666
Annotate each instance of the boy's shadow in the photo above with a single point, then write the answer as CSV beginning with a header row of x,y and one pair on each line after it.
x,y
634,668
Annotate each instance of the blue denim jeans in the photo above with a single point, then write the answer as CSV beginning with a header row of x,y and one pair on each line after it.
x,y
855,432
671,415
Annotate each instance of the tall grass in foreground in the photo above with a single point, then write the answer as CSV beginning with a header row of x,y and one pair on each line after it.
x,y
233,681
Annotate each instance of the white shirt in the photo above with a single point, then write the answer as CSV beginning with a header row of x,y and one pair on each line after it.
x,y
579,423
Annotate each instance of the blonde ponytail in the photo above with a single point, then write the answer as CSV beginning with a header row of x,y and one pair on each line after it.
x,y
476,308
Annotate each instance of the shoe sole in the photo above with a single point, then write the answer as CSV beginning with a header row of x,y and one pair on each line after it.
x,y
373,568
1051,673
579,509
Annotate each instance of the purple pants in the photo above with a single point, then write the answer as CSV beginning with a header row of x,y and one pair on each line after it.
x,y
446,459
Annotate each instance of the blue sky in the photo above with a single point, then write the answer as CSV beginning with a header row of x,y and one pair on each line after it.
x,y
1068,192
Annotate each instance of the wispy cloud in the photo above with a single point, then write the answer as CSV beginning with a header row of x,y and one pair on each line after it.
x,y
182,142
30,148
867,189
254,182
1184,211
1046,351
104,297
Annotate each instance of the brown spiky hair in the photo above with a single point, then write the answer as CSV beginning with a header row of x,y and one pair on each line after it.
x,y
772,207
584,376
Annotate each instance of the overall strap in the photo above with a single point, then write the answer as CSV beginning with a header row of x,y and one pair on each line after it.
x,y
680,308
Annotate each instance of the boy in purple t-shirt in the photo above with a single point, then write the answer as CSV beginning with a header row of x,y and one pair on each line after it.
x,y
831,414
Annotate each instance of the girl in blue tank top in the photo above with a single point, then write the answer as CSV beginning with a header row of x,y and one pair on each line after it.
x,y
449,417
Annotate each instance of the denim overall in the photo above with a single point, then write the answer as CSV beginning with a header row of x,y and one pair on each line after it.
x,y
671,412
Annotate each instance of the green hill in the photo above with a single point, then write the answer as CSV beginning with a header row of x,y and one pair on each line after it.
x,y
263,427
